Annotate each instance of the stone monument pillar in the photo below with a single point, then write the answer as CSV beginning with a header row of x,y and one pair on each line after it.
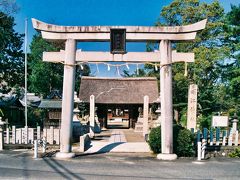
x,y
92,116
68,100
166,102
192,107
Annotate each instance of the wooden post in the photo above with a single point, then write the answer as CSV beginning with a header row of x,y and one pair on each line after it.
x,y
1,135
8,135
145,116
92,115
13,134
67,100
51,136
25,135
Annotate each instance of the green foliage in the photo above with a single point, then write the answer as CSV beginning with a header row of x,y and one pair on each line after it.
x,y
45,76
185,146
235,153
1,113
216,69
8,7
36,117
11,55
204,121
155,140
182,141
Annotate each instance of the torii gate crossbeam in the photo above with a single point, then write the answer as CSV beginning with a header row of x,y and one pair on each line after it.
x,y
164,35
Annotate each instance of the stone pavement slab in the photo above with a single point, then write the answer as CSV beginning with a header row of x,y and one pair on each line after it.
x,y
118,147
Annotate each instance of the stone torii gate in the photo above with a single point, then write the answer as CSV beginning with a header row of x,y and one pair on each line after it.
x,y
70,56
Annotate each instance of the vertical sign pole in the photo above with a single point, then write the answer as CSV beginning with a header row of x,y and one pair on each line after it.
x,y
25,50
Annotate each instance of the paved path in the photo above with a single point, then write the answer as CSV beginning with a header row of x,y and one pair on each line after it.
x,y
117,136
118,143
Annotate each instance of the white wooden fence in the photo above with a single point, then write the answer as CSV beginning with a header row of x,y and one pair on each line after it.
x,y
28,135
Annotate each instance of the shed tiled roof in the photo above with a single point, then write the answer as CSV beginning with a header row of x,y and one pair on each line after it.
x,y
51,104
118,90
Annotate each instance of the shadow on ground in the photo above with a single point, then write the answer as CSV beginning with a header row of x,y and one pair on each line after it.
x,y
60,169
105,149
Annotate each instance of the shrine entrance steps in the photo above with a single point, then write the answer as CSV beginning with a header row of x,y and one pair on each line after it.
x,y
118,140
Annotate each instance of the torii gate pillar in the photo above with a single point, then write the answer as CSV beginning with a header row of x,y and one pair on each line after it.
x,y
166,102
67,100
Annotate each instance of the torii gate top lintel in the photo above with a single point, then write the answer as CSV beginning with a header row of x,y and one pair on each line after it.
x,y
133,33
131,29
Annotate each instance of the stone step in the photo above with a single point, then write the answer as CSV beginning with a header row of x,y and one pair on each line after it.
x,y
138,128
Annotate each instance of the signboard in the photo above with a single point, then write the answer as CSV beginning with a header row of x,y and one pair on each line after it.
x,y
54,115
192,107
118,41
220,121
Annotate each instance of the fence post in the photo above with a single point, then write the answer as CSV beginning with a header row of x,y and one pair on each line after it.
x,y
51,136
8,135
44,145
26,135
230,138
217,136
204,145
198,136
205,133
224,138
13,134
20,136
199,146
236,138
35,149
211,137
1,134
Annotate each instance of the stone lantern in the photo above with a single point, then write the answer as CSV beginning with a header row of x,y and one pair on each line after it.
x,y
234,122
158,112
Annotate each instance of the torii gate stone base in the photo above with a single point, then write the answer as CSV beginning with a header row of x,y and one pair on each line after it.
x,y
73,34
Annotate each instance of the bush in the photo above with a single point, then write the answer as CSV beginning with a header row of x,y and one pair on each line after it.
x,y
155,139
235,153
182,141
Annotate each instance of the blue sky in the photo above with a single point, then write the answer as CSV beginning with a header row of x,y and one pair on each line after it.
x,y
95,12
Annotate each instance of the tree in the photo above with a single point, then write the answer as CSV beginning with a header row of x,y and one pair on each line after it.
x,y
45,76
232,68
210,55
8,7
11,55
